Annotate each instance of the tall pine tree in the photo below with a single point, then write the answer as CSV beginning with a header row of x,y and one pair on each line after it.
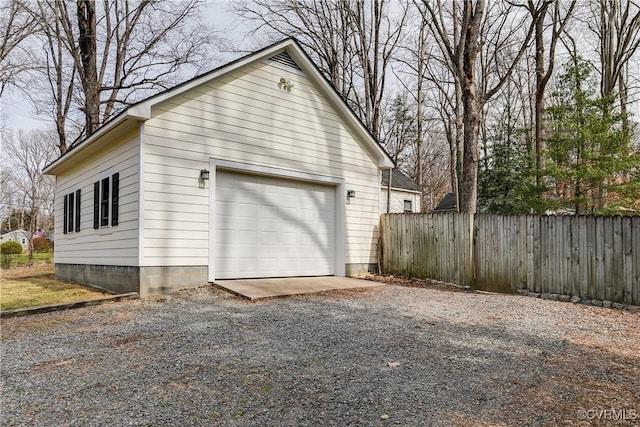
x,y
590,164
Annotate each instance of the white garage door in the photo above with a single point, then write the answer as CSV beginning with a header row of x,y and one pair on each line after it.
x,y
272,227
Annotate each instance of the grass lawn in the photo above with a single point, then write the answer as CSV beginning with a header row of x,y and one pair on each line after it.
x,y
24,286
23,259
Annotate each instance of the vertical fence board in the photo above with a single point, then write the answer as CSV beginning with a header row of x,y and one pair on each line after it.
x,y
583,259
635,244
574,286
617,268
607,263
529,249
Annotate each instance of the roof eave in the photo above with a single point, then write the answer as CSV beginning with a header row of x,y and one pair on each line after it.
x,y
404,190
135,113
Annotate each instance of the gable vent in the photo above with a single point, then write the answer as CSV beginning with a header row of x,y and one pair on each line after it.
x,y
284,59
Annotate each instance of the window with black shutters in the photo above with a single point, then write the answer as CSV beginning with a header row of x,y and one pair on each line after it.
x,y
71,212
106,201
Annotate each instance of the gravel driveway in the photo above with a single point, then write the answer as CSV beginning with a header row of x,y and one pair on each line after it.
x,y
383,356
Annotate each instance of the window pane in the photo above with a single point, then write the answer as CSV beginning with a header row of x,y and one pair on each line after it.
x,y
104,203
407,206
70,213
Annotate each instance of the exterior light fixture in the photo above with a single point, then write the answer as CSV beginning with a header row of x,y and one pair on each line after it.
x,y
285,85
204,175
351,193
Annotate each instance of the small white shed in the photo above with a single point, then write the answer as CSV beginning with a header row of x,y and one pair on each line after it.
x,y
255,169
405,195
20,236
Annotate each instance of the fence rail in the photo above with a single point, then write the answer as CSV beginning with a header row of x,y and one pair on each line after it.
x,y
587,256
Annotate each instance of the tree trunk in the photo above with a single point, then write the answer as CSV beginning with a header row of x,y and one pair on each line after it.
x,y
471,106
540,89
459,147
472,117
88,54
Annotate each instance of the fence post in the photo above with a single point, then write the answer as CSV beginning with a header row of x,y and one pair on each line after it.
x,y
472,252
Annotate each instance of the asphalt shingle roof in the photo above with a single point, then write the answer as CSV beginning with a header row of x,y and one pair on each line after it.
x,y
399,180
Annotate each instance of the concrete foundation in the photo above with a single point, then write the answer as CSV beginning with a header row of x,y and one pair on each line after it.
x,y
358,269
162,280
144,280
156,279
113,278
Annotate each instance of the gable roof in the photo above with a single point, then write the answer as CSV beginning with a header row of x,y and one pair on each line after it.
x,y
141,111
399,181
17,231
448,203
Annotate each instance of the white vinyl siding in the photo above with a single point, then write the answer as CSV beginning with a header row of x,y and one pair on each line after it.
x,y
397,201
245,117
117,245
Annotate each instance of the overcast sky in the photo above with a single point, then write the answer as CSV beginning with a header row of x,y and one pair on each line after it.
x,y
17,113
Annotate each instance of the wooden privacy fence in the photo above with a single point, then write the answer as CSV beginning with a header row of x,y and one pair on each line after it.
x,y
587,256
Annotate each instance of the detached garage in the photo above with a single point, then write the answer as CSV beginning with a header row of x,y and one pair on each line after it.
x,y
255,169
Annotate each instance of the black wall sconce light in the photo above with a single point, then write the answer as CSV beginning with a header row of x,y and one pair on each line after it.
x,y
351,193
204,175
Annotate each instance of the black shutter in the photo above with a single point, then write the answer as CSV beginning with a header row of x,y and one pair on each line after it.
x,y
96,205
77,210
115,191
64,214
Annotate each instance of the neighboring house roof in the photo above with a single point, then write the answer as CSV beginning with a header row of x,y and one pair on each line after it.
x,y
15,234
399,181
19,230
448,203
141,111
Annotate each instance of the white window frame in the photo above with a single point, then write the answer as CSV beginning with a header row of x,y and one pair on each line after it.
x,y
101,201
404,206
100,178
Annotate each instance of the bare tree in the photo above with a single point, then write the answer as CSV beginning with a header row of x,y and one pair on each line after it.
x,y
321,27
102,57
28,153
353,41
375,40
476,27
539,12
617,27
16,24
413,57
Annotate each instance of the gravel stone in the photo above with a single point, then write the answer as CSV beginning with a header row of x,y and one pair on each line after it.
x,y
390,355
596,302
618,305
575,299
564,298
606,304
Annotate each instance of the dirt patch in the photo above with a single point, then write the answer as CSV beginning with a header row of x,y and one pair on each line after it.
x,y
412,282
